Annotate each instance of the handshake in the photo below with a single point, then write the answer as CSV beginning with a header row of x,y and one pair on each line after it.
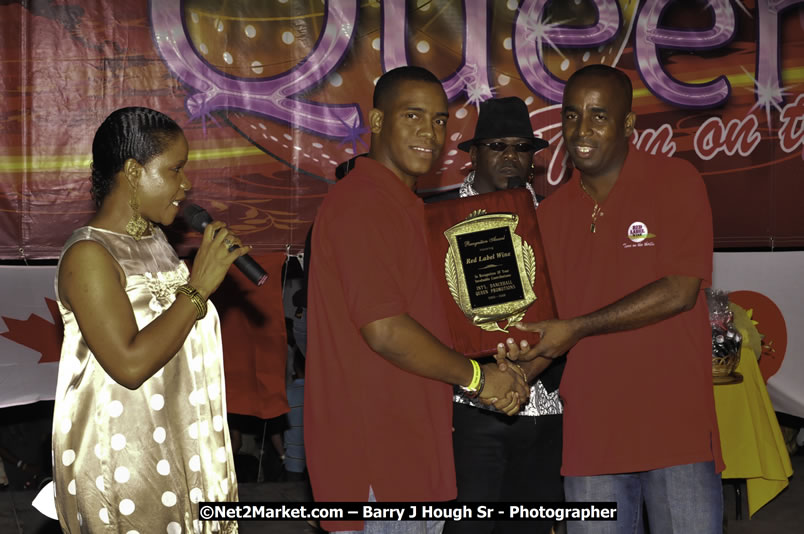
x,y
505,384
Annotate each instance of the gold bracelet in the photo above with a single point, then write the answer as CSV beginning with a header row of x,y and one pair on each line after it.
x,y
199,301
521,371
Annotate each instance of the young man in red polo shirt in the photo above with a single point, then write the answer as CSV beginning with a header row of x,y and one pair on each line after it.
x,y
628,241
378,392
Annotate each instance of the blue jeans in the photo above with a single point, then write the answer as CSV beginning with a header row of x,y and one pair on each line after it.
x,y
680,499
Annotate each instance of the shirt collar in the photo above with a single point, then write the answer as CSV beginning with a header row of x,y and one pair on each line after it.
x,y
634,159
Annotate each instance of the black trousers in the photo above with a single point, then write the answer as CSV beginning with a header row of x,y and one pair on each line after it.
x,y
505,459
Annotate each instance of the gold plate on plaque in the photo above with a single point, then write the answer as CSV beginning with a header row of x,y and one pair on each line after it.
x,y
490,270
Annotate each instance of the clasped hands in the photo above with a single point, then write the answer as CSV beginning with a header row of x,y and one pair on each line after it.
x,y
556,338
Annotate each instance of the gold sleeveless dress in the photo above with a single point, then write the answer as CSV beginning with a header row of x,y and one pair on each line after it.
x,y
139,462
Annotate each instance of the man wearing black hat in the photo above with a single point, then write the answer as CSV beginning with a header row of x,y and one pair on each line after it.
x,y
502,148
497,457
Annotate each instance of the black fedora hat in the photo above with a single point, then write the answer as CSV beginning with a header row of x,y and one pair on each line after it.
x,y
503,117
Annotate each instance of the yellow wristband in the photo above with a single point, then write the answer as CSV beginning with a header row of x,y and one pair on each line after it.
x,y
196,298
475,376
476,385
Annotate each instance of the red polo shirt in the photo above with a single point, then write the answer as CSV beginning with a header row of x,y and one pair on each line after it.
x,y
367,422
640,399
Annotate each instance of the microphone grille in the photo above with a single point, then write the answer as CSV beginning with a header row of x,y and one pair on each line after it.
x,y
197,217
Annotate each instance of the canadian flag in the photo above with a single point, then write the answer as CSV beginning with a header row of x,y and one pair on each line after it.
x,y
30,335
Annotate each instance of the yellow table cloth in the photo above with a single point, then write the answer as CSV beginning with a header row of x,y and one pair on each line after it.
x,y
752,443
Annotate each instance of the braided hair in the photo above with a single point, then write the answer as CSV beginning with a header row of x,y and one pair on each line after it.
x,y
133,132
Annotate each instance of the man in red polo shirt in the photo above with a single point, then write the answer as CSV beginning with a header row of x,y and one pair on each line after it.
x,y
378,392
628,241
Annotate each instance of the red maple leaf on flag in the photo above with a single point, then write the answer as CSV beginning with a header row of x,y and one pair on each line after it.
x,y
37,333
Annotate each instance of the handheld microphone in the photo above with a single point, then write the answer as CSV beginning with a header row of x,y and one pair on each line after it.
x,y
198,218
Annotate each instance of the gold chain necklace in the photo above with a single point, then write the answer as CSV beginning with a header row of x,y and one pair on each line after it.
x,y
597,211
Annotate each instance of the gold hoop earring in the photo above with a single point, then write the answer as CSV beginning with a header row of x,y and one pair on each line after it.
x,y
137,225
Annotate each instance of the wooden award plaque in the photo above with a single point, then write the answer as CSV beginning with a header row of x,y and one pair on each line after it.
x,y
486,251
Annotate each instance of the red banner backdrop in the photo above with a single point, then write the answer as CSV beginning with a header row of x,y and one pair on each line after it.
x,y
273,95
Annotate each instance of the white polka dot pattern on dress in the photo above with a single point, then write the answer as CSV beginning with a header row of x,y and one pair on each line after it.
x,y
159,435
98,451
68,457
196,364
204,428
157,402
196,495
169,499
118,442
132,532
195,463
217,423
104,515
197,397
71,487
127,507
99,483
213,390
114,408
66,425
122,474
173,528
220,454
163,468
193,430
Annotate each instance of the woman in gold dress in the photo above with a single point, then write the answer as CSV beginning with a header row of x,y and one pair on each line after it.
x,y
139,428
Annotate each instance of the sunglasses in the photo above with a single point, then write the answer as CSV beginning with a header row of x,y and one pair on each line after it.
x,y
499,146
